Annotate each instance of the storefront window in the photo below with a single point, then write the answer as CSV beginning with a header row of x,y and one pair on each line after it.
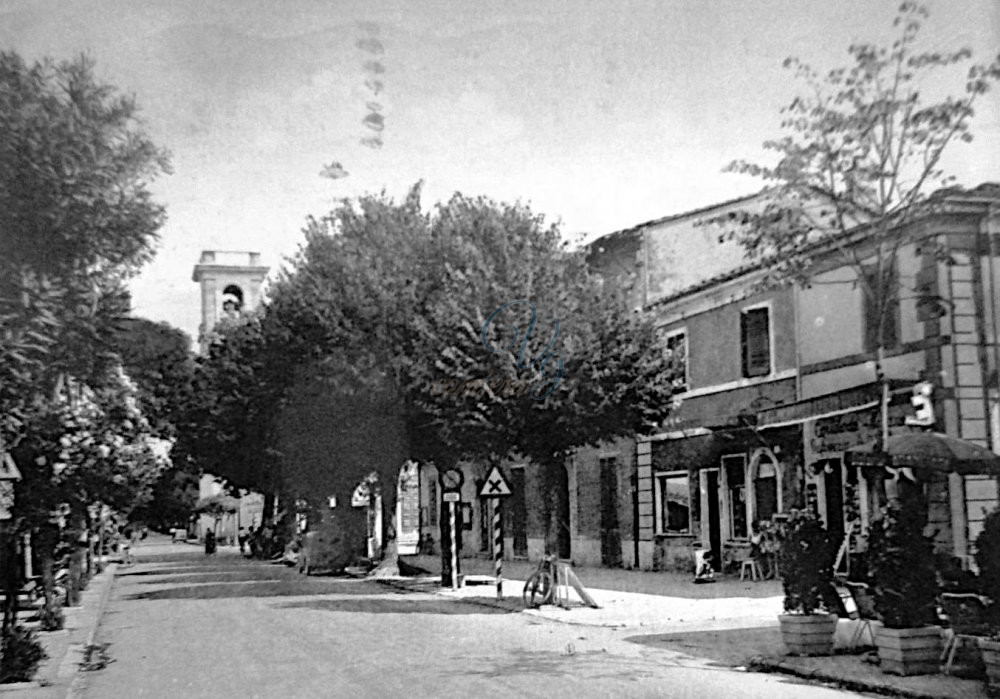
x,y
674,495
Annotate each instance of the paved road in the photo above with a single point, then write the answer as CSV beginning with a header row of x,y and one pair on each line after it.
x,y
181,625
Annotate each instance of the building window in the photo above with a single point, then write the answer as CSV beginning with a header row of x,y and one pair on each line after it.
x,y
433,504
736,495
755,340
890,326
673,494
677,350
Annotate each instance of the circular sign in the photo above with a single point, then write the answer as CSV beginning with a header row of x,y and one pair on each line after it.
x,y
452,479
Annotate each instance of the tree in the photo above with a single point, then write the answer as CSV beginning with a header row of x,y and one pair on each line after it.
x,y
859,162
76,221
158,358
383,302
75,210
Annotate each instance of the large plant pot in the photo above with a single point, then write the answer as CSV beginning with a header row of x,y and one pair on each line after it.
x,y
990,651
808,634
909,651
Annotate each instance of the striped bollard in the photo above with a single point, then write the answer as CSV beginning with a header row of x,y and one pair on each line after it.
x,y
454,545
498,545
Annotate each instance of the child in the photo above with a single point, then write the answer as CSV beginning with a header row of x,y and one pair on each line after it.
x,y
705,572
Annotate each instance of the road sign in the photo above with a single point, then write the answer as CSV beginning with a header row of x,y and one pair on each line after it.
x,y
451,496
495,485
8,469
451,480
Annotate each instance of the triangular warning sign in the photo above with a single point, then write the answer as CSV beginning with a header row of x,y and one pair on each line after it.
x,y
8,469
495,485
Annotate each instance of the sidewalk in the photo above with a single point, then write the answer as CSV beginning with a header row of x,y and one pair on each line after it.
x,y
66,648
731,622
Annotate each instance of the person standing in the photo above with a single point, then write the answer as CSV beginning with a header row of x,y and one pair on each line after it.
x,y
125,543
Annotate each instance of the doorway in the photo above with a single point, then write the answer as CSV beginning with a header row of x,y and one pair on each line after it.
x,y
517,513
714,524
833,485
611,540
563,538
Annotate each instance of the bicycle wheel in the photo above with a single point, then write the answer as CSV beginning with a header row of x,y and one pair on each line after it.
x,y
538,589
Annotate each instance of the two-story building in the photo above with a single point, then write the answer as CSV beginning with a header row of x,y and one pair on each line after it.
x,y
780,384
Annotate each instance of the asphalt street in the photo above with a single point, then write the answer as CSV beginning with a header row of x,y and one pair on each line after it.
x,y
180,624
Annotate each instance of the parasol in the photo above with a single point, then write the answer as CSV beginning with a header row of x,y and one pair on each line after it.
x,y
928,450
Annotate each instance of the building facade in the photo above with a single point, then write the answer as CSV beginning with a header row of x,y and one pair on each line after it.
x,y
780,384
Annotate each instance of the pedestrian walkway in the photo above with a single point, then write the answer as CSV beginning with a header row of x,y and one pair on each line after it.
x,y
732,622
66,648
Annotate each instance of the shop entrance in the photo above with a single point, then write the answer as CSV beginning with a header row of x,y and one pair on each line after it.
x,y
711,479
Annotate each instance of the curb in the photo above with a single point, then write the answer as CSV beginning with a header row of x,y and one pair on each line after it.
x,y
75,687
760,663
402,584
512,604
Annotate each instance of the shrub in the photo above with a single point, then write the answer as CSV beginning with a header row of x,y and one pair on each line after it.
x,y
20,655
988,560
806,561
901,568
988,556
51,617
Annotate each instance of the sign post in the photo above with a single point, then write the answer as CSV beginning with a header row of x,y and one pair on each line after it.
x,y
451,493
451,499
495,487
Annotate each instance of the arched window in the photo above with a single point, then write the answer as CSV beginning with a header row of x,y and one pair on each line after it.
x,y
232,300
765,477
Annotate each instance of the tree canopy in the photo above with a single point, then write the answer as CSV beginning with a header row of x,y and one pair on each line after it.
x,y
76,221
391,306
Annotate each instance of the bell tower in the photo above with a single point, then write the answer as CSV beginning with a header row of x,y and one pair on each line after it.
x,y
230,285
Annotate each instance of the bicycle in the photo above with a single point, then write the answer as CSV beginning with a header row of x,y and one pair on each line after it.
x,y
540,587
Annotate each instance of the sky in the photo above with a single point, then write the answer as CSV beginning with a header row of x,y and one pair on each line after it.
x,y
599,115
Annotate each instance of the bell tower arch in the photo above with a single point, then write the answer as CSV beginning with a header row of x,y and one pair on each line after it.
x,y
231,284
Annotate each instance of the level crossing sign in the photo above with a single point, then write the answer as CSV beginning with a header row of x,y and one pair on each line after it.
x,y
495,485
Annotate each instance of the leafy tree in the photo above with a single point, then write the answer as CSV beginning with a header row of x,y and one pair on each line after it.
x,y
385,301
859,161
93,448
76,220
158,358
75,210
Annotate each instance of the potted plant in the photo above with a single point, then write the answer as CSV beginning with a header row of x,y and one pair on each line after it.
x,y
988,560
904,586
806,562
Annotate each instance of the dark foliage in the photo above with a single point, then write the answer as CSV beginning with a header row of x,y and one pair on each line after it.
x,y
20,655
988,560
901,566
806,562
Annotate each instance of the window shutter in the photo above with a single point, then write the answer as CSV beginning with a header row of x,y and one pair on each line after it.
x,y
756,342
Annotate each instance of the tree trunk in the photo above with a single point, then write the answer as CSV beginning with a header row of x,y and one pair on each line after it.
x,y
46,552
8,559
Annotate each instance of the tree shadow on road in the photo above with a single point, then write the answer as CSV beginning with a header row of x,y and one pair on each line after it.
x,y
402,605
260,588
728,647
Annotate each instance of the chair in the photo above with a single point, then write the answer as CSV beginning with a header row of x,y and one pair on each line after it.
x,y
864,603
967,614
751,565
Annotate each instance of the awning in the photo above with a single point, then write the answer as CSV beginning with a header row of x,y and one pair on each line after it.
x,y
850,400
931,451
693,453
